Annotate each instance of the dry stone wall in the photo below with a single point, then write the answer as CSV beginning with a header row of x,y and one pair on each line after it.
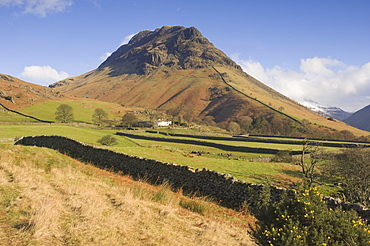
x,y
223,187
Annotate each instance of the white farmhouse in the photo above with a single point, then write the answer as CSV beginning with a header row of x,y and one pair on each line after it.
x,y
164,123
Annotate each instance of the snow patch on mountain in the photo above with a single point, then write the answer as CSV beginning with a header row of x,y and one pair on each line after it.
x,y
330,111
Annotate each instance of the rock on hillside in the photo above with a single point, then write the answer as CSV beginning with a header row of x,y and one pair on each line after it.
x,y
360,119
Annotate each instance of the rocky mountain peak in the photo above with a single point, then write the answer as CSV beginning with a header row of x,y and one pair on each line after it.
x,y
169,46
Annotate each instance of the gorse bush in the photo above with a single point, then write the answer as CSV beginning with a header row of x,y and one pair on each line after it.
x,y
306,220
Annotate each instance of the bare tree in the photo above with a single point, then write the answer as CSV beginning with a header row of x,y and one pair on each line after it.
x,y
354,166
311,157
173,113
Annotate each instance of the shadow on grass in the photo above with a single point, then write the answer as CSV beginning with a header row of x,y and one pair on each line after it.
x,y
293,173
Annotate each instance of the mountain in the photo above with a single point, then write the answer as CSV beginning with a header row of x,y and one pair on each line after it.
x,y
360,119
330,111
177,69
176,47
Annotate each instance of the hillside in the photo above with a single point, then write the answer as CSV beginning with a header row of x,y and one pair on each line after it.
x,y
31,103
49,199
360,119
16,94
176,68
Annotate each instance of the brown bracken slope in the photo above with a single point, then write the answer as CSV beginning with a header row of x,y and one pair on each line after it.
x,y
17,94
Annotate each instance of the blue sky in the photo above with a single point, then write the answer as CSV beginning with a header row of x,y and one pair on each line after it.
x,y
318,50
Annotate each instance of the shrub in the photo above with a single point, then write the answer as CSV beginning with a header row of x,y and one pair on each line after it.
x,y
108,140
306,220
164,194
282,156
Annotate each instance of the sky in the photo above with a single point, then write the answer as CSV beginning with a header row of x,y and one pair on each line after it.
x,y
305,49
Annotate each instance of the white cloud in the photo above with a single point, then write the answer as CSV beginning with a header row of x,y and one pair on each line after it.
x,y
324,80
43,75
127,39
105,56
38,7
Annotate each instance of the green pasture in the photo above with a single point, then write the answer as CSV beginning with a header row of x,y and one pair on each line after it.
x,y
279,146
238,164
6,116
82,134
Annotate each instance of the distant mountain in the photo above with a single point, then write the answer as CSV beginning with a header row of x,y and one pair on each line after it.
x,y
177,69
330,111
360,119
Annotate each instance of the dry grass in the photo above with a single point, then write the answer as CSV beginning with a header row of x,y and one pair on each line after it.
x,y
50,199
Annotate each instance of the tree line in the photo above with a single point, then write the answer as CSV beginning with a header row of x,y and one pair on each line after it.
x,y
64,114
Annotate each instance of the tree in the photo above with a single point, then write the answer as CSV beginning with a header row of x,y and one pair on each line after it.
x,y
173,113
129,119
354,166
209,121
234,128
99,116
188,117
245,123
309,166
64,113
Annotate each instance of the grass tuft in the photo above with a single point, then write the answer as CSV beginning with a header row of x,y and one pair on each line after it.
x,y
194,205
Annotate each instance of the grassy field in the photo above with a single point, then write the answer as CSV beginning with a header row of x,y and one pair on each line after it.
x,y
10,117
249,167
50,199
